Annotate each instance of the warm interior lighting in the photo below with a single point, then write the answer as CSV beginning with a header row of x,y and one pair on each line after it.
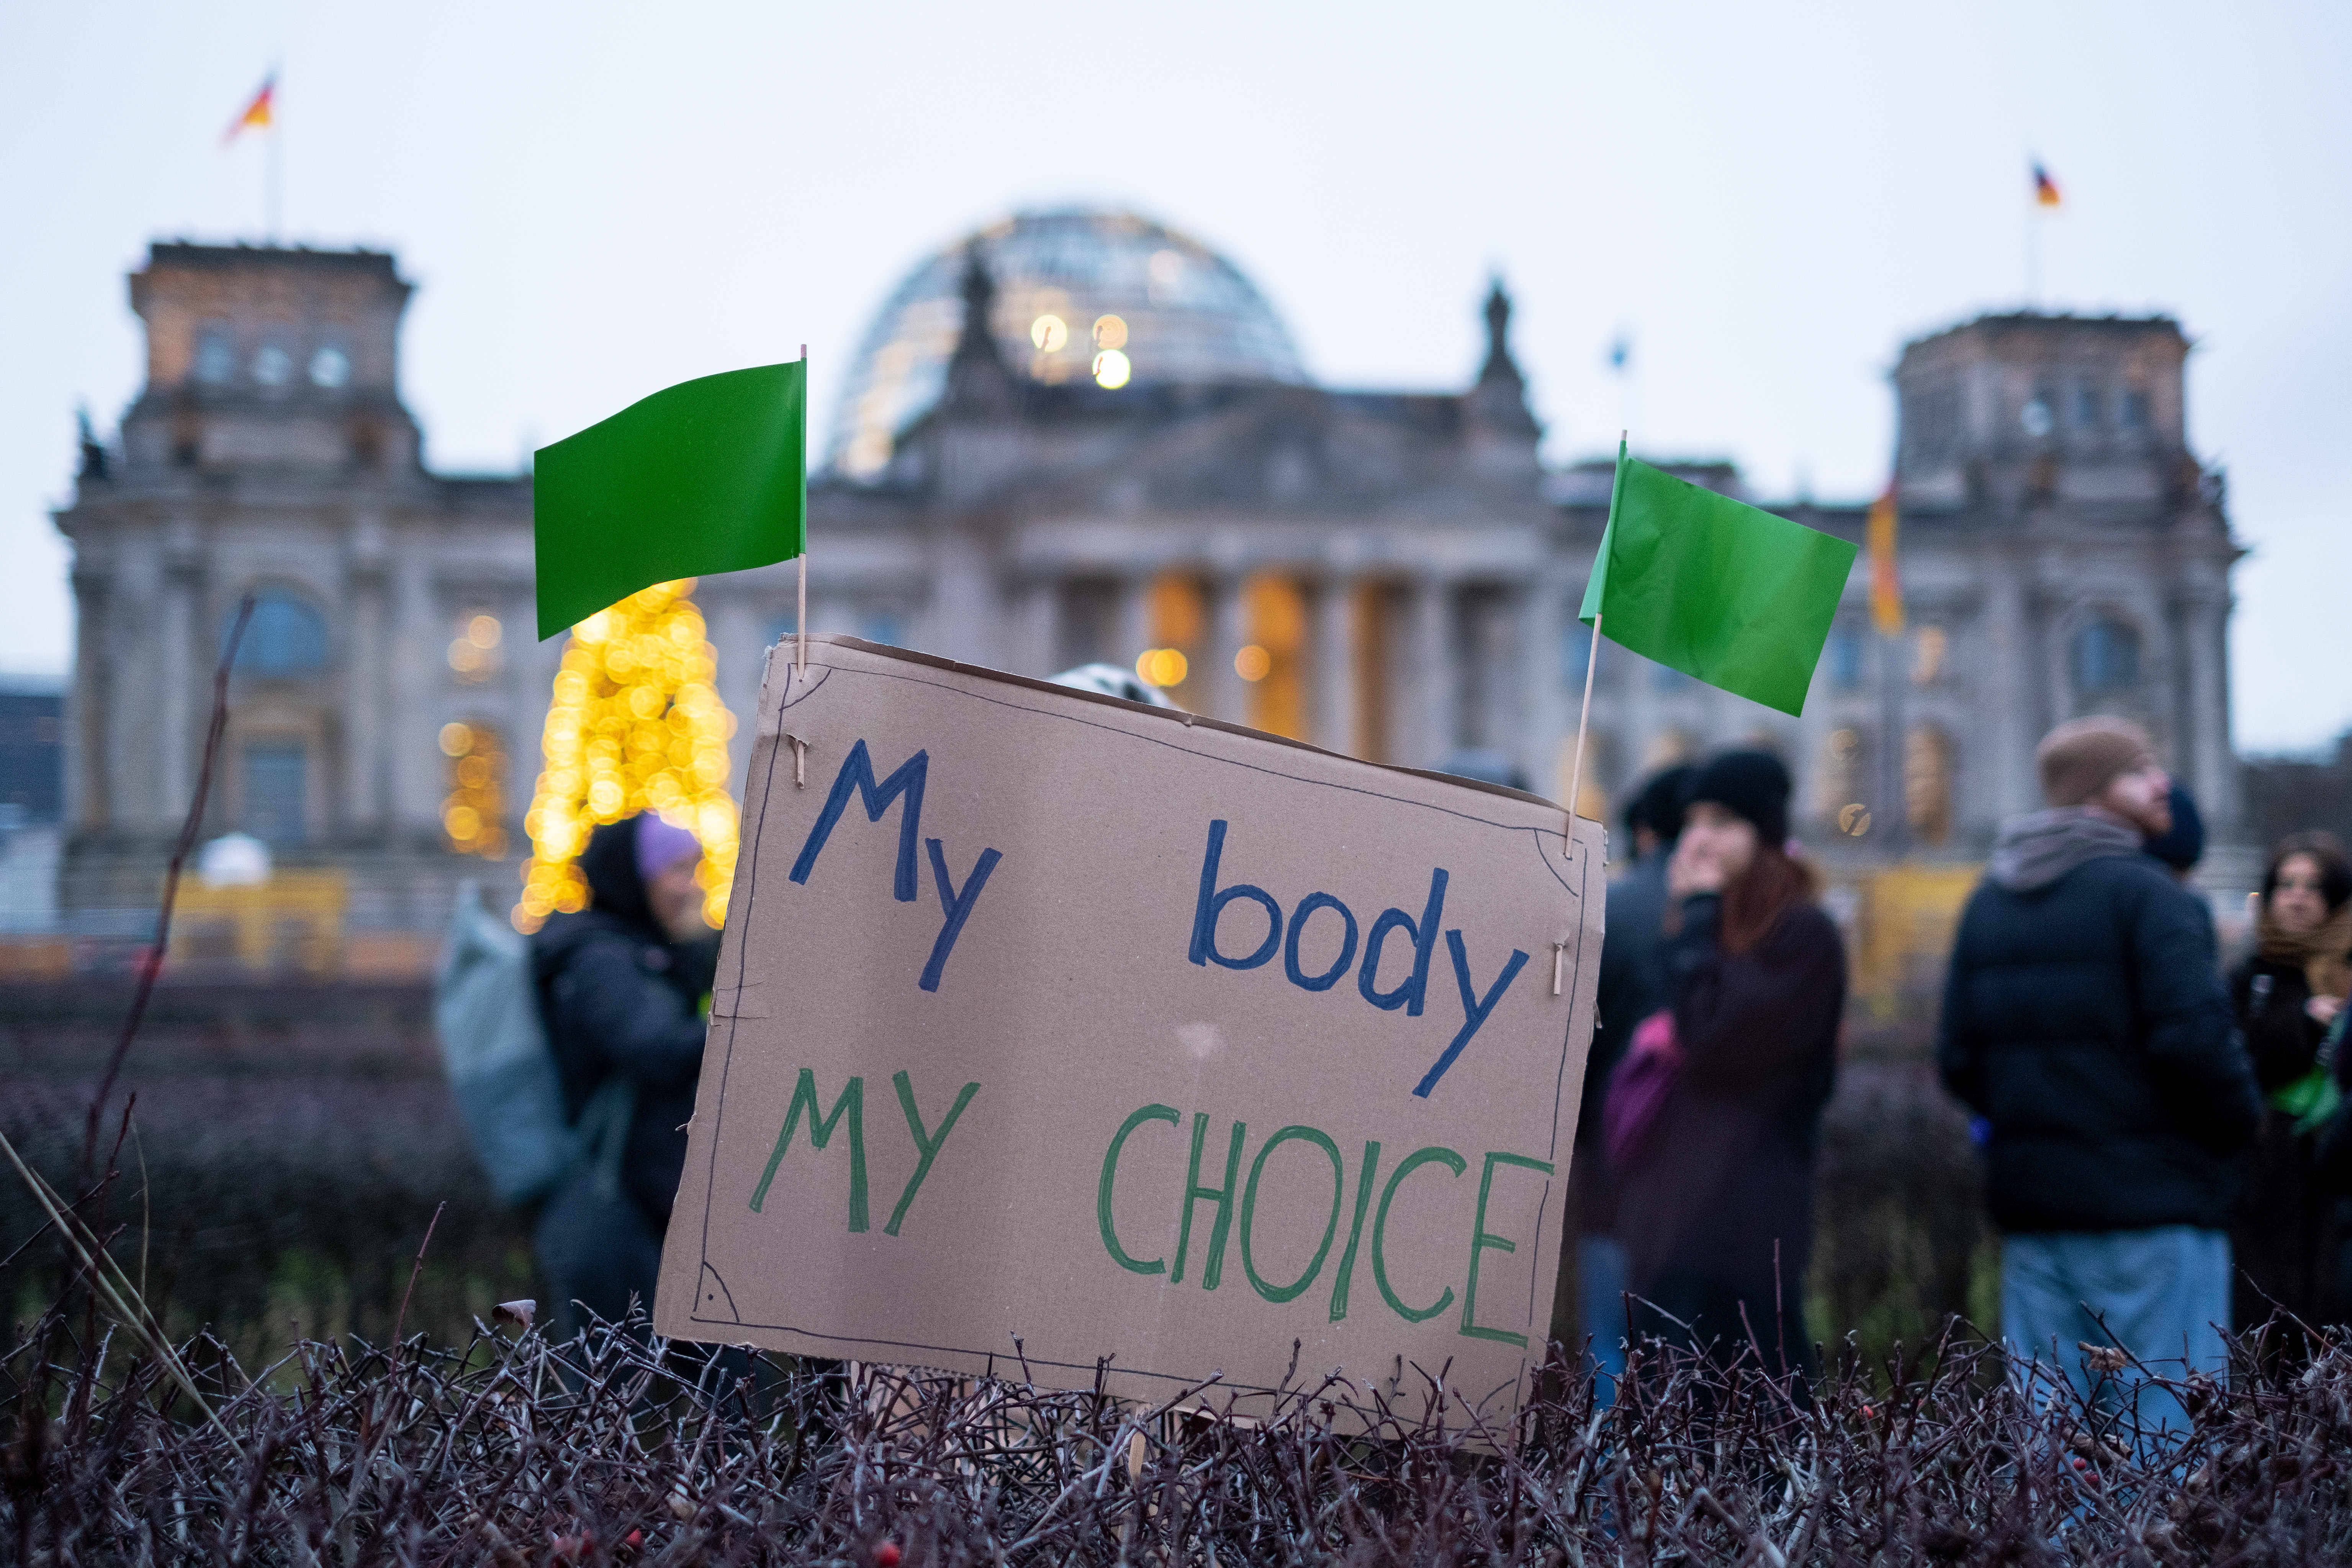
x,y
1111,333
473,811
634,725
1112,369
1253,662
1162,666
483,632
1049,334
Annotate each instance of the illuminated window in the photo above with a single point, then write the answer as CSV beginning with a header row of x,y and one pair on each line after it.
x,y
1178,614
1274,620
474,652
1929,649
1840,787
1927,783
285,639
2105,657
473,814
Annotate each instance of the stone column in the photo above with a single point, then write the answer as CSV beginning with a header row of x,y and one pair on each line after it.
x,y
366,692
1228,631
415,665
963,598
88,805
2212,770
1134,630
1430,673
179,726
1546,708
1034,625
1335,664
2002,784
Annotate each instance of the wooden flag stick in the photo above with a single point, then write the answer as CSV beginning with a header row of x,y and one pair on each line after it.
x,y
1583,718
803,660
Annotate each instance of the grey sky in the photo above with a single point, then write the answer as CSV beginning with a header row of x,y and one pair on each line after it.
x,y
598,201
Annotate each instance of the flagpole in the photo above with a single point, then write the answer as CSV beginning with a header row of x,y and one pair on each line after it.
x,y
273,195
1584,714
1583,718
804,529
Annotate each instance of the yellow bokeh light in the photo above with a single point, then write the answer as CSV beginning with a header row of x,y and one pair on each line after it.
x,y
1162,666
634,725
1049,334
473,811
483,631
1111,333
1112,369
1253,662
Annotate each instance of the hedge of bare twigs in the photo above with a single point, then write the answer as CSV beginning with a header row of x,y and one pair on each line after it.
x,y
516,1450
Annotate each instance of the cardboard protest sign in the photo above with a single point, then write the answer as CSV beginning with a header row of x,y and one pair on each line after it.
x,y
1055,1027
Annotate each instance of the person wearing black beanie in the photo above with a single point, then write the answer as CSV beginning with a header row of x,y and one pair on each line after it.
x,y
1632,988
1716,1181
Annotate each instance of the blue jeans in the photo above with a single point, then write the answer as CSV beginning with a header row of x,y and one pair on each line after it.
x,y
2163,1295
1600,1290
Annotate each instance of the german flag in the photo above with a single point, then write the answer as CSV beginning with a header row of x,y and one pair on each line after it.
x,y
1886,583
2045,189
256,115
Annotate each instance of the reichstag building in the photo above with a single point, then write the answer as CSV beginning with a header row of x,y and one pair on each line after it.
x,y
1079,436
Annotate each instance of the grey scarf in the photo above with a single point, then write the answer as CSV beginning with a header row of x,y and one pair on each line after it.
x,y
2036,850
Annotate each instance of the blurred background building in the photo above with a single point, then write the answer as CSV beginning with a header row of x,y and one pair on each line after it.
x,y
1080,435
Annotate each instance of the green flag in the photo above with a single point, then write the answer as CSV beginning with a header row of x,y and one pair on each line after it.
x,y
710,474
1715,587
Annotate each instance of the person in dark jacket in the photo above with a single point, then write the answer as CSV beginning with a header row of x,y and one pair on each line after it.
x,y
1632,988
624,987
2286,995
2085,1021
1715,1209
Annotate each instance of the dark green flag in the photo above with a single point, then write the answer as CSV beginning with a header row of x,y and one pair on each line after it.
x,y
1714,587
710,474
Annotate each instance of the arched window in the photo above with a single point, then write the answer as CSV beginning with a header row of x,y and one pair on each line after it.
x,y
2105,657
285,637
1927,783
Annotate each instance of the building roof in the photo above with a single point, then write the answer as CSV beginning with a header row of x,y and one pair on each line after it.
x,y
1070,286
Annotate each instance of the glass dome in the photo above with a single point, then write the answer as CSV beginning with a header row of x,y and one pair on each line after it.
x,y
1103,296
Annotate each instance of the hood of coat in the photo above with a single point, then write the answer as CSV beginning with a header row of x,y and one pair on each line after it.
x,y
2036,850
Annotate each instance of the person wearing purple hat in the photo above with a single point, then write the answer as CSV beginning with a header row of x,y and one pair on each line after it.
x,y
624,985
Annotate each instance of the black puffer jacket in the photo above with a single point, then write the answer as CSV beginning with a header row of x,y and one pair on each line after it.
x,y
619,997
2085,1019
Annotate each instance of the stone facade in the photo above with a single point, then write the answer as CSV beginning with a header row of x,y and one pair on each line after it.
x,y
1392,575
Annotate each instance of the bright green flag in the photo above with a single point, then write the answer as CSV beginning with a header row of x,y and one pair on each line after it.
x,y
1715,587
710,474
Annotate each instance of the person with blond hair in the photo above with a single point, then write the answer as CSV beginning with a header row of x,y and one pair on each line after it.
x,y
2085,1020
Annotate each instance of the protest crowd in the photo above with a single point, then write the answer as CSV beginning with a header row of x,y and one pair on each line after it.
x,y
2165,1151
